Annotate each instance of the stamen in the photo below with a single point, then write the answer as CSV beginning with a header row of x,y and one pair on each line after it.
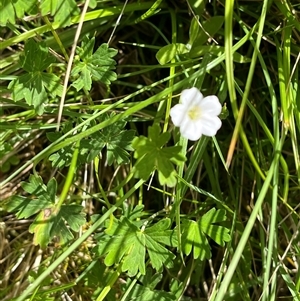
x,y
194,113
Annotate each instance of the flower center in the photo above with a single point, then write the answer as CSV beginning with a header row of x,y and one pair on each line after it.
x,y
194,113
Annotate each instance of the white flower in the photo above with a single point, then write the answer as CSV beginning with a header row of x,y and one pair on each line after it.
x,y
195,115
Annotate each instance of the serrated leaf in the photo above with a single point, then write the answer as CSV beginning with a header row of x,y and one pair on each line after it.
x,y
73,215
36,57
116,140
158,254
135,263
162,234
194,233
61,10
152,156
26,207
103,55
63,157
41,227
34,85
35,186
125,241
193,238
51,221
97,66
11,9
219,234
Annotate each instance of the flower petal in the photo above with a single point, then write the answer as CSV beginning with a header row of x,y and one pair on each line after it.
x,y
195,115
191,130
210,125
191,97
210,105
178,113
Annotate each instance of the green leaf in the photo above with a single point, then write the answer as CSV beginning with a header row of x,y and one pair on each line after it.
x,y
116,140
193,238
193,32
219,234
63,157
151,280
168,52
34,85
124,240
61,10
36,57
41,227
73,215
217,51
127,243
134,212
51,221
209,28
11,9
144,293
194,233
35,186
197,6
152,156
97,66
26,207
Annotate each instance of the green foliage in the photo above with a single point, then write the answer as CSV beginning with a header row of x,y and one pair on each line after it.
x,y
146,291
207,30
90,66
10,10
50,221
63,157
116,140
124,240
194,233
93,278
168,52
137,256
152,156
36,86
61,10
195,48
12,160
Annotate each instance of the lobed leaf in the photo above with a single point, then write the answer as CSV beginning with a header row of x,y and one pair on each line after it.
x,y
97,66
61,10
152,156
51,221
125,241
194,233
34,85
116,140
10,10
